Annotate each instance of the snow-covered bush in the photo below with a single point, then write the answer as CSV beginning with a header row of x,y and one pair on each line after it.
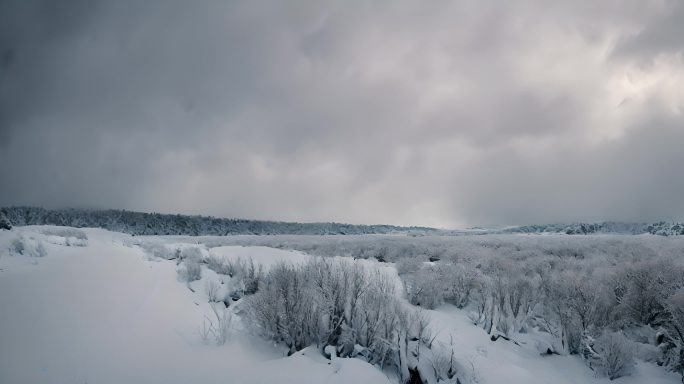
x,y
459,281
191,271
339,304
251,276
425,288
283,310
17,246
4,221
194,253
159,250
27,246
212,290
444,364
610,355
66,236
671,339
246,276
221,265
216,328
408,265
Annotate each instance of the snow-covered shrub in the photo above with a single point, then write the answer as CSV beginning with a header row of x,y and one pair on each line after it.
x,y
27,246
17,246
250,274
212,290
408,265
161,251
67,232
221,265
459,281
558,313
338,304
66,236
425,288
643,289
4,221
672,336
216,328
283,310
193,253
191,271
247,276
444,364
610,355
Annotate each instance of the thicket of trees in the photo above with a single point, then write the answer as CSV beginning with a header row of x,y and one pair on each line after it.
x,y
4,221
339,305
605,298
347,309
139,223
585,304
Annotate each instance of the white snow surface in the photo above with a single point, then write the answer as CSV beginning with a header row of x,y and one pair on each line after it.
x,y
108,312
503,361
104,313
265,256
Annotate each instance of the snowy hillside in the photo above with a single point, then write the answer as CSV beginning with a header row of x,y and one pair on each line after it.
x,y
92,306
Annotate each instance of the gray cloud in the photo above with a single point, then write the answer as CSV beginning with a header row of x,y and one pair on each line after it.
x,y
660,35
448,114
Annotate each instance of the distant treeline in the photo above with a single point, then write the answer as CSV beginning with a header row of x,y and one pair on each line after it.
x,y
140,223
607,227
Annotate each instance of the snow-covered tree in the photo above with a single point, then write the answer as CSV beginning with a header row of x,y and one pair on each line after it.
x,y
611,355
4,221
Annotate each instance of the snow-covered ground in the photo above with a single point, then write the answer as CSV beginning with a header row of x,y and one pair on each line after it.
x,y
104,311
265,256
507,362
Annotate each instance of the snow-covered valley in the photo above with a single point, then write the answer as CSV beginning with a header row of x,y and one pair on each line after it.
x,y
107,310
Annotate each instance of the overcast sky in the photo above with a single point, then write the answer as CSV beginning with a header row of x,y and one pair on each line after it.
x,y
441,113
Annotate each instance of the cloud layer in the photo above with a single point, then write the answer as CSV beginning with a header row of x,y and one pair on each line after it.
x,y
446,114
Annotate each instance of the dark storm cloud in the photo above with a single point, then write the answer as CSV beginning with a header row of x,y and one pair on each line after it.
x,y
449,113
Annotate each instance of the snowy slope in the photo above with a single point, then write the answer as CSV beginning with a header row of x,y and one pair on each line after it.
x,y
105,314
